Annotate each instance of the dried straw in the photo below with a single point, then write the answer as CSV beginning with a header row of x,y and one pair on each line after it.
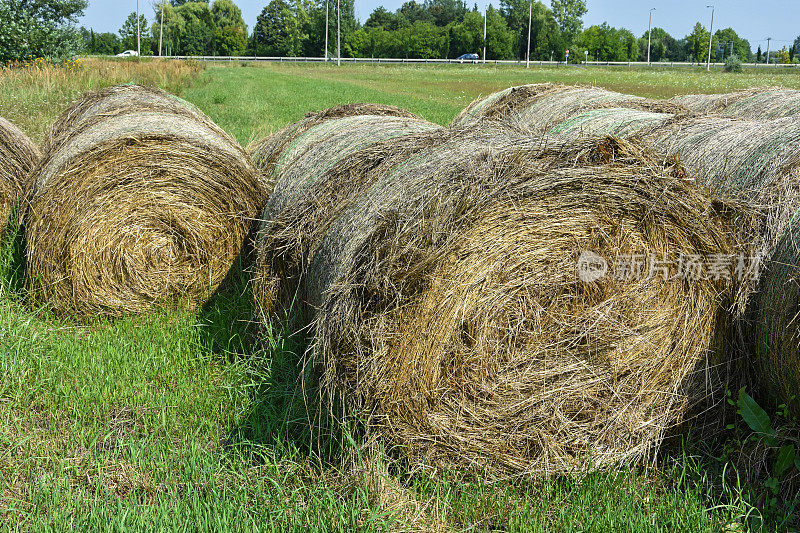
x,y
543,107
760,103
265,152
18,156
316,176
613,121
451,318
138,200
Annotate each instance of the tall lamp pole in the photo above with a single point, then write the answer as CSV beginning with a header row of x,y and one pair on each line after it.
x,y
326,31
649,29
528,54
338,34
768,40
138,32
710,37
485,14
161,31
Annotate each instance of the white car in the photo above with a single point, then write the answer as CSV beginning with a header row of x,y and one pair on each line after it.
x,y
128,53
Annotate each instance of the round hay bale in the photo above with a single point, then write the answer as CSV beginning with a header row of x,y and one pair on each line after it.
x,y
759,162
317,175
544,106
265,153
759,103
503,103
18,157
452,319
143,206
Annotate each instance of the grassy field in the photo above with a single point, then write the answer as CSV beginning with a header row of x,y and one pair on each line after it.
x,y
176,421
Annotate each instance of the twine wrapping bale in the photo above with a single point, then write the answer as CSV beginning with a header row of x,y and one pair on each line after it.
x,y
266,152
18,157
758,161
451,317
760,103
316,175
543,107
145,205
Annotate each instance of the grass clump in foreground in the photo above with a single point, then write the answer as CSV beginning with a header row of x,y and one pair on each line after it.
x,y
173,419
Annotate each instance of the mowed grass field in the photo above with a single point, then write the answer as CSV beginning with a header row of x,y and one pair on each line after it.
x,y
181,421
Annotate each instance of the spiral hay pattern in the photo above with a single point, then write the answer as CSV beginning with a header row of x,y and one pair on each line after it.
x,y
450,315
139,200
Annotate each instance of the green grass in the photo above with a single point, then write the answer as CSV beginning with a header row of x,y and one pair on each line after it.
x,y
177,421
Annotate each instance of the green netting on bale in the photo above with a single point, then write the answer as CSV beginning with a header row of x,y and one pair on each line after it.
x,y
615,121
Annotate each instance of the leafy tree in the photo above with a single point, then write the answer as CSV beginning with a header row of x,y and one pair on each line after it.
x,y
278,31
39,28
445,12
127,34
663,47
466,36
382,18
422,40
697,42
411,12
197,35
174,26
759,54
101,43
783,56
741,47
568,14
546,37
606,43
230,31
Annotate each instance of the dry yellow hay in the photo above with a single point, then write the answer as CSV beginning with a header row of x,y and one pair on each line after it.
x,y
450,316
18,156
316,175
139,200
760,103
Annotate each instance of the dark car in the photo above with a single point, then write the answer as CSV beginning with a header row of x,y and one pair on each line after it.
x,y
468,57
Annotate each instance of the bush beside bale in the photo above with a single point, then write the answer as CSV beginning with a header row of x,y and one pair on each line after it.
x,y
18,156
139,200
451,317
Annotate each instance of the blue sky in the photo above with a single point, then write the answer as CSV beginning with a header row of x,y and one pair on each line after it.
x,y
754,20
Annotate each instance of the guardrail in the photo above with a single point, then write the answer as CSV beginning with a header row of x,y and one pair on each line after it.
x,y
376,60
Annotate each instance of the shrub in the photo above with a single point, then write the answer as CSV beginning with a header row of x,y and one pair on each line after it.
x,y
733,64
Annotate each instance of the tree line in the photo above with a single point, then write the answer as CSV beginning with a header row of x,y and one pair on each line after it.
x,y
417,30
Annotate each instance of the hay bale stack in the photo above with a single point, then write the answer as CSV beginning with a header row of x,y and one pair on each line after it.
x,y
543,107
451,317
266,152
316,175
139,200
760,103
18,156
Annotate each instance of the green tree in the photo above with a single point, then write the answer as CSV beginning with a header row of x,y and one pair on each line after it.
x,y
606,43
197,32
697,42
411,12
230,31
759,54
40,28
422,40
724,38
569,16
663,47
382,18
277,31
127,34
466,36
445,12
173,28
546,38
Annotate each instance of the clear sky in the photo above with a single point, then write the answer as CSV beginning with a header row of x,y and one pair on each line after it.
x,y
752,19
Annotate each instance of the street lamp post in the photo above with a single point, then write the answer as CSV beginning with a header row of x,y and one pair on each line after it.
x,y
485,14
649,29
528,54
710,37
138,32
326,31
161,31
338,34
